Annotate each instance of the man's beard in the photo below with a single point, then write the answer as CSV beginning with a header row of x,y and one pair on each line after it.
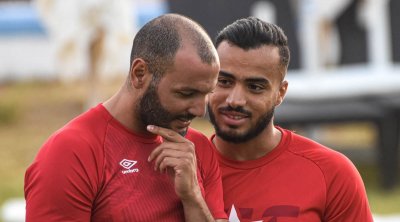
x,y
251,133
152,112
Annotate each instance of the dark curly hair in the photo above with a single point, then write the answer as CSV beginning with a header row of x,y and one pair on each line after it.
x,y
251,33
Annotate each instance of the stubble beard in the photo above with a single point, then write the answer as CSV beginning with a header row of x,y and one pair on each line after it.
x,y
234,137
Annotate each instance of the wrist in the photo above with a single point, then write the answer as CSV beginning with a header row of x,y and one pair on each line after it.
x,y
193,197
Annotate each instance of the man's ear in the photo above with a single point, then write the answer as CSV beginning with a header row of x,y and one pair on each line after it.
x,y
139,73
281,93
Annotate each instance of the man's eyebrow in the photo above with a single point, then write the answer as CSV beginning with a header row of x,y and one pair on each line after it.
x,y
193,90
249,80
257,80
226,74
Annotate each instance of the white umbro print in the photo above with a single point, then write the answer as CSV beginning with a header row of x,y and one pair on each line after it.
x,y
128,164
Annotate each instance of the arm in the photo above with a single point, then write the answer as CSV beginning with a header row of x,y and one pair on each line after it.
x,y
196,209
57,184
176,156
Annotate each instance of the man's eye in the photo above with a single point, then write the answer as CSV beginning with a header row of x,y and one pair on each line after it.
x,y
186,94
224,82
255,87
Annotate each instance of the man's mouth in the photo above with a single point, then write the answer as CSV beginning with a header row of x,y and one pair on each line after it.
x,y
233,118
238,111
184,122
234,115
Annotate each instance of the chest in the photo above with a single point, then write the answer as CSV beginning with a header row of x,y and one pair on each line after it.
x,y
132,190
274,192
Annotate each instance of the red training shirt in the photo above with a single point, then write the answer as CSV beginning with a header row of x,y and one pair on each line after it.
x,y
94,169
299,180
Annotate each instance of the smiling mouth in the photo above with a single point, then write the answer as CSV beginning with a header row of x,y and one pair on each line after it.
x,y
234,115
233,119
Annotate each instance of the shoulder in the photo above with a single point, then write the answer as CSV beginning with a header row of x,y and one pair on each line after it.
x,y
199,139
81,138
202,144
346,198
89,126
90,123
69,168
336,167
317,153
204,148
195,135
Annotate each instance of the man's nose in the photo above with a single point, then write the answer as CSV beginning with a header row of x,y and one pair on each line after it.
x,y
236,97
198,107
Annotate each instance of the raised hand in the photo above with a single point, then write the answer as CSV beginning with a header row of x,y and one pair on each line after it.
x,y
176,156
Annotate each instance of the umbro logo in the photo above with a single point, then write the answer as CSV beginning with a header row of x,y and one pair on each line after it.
x,y
128,164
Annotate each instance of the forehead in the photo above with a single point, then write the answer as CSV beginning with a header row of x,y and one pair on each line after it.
x,y
263,61
189,71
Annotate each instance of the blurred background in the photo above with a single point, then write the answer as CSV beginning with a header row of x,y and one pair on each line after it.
x,y
59,57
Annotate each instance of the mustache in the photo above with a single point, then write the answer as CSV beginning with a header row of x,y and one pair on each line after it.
x,y
238,109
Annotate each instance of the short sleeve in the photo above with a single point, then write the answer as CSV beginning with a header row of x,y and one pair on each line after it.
x,y
346,196
62,182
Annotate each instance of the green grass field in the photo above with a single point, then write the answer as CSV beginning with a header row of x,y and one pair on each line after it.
x,y
30,112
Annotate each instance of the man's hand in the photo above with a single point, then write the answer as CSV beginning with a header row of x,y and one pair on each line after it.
x,y
176,156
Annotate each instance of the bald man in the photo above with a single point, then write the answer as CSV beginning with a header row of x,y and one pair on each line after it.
x,y
134,157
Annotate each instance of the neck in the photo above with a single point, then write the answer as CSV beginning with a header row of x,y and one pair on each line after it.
x,y
253,149
122,107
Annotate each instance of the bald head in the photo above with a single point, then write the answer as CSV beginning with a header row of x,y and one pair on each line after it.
x,y
158,41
